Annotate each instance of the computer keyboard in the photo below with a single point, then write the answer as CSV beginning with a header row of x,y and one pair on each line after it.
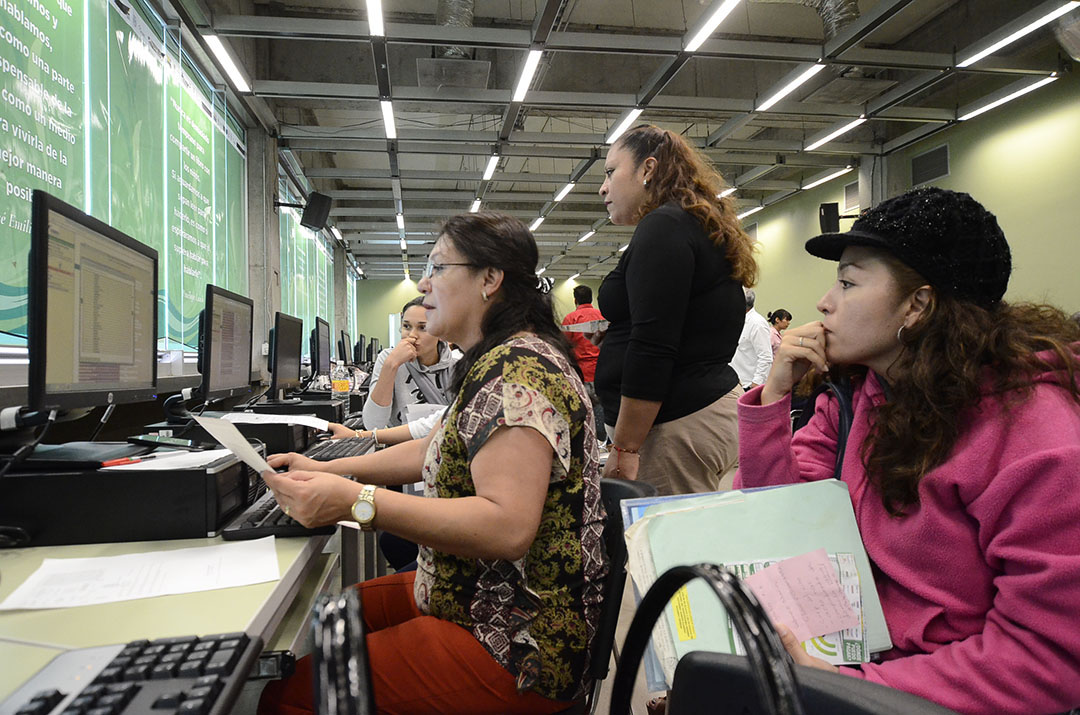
x,y
188,675
337,448
265,518
354,422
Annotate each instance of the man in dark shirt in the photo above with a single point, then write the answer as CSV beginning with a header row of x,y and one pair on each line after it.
x,y
585,351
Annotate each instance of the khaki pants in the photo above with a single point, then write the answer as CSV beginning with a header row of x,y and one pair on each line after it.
x,y
690,455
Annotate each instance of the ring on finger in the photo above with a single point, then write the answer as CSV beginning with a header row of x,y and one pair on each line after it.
x,y
800,342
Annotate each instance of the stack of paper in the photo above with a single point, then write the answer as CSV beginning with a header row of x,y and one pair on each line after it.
x,y
748,530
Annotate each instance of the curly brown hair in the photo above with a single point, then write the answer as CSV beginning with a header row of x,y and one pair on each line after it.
x,y
943,372
684,176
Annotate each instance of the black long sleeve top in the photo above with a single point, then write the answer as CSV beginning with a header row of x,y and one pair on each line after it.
x,y
675,317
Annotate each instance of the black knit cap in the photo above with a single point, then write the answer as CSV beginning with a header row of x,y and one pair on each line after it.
x,y
948,237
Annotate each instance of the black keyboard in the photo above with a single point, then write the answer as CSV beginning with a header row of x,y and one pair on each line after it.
x,y
337,448
354,422
265,518
188,675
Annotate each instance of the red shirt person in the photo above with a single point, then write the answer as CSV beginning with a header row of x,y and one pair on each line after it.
x,y
584,351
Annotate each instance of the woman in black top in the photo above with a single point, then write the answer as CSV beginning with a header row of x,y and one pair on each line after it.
x,y
675,305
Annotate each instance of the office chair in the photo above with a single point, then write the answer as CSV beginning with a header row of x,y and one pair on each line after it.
x,y
342,677
612,491
764,681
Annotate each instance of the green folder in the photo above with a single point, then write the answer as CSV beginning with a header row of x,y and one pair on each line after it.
x,y
747,525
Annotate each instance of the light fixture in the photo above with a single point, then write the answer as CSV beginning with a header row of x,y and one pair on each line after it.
x,y
624,248
828,177
404,245
1008,98
710,25
227,64
475,206
726,192
374,18
401,221
791,86
573,277
489,171
388,118
527,73
623,125
586,236
1049,17
746,213
832,135
536,224
565,190
541,271
337,233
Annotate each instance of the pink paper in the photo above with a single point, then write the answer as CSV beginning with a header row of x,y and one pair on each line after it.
x,y
804,594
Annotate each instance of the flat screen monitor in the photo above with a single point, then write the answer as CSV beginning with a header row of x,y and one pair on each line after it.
x,y
225,344
92,311
359,350
286,343
345,348
320,348
374,348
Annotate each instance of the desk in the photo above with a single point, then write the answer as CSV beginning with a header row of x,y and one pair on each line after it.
x,y
31,638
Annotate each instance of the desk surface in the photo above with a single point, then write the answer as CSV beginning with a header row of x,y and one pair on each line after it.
x,y
31,638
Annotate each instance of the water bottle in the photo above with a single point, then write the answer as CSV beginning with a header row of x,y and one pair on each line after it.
x,y
339,382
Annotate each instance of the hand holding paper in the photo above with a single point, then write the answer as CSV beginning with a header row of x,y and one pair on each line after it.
x,y
230,438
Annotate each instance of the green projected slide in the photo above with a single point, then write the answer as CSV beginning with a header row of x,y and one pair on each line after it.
x,y
100,105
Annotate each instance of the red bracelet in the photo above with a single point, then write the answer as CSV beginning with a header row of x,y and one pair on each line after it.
x,y
618,451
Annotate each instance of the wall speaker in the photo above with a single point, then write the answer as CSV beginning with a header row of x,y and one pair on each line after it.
x,y
829,218
316,212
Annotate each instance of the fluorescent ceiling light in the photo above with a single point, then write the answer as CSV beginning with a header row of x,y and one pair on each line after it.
x,y
624,248
541,271
832,135
586,236
1050,17
227,64
573,277
401,221
623,125
790,86
374,18
830,177
746,213
489,171
334,230
388,119
710,25
1018,93
726,192
404,245
475,206
565,190
527,73
536,224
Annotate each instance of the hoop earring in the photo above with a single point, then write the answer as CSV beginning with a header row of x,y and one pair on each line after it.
x,y
899,335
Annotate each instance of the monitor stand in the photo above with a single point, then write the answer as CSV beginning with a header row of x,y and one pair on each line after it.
x,y
279,399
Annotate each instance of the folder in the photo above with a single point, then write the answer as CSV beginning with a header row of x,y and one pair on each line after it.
x,y
744,525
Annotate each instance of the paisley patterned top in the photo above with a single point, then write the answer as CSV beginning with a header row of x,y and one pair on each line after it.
x,y
537,615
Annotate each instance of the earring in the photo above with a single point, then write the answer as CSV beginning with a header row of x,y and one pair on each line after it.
x,y
899,335
645,183
484,295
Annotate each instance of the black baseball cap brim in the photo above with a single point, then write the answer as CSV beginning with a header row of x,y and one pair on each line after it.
x,y
830,246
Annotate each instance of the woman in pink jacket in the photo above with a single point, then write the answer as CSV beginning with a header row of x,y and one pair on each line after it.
x,y
963,458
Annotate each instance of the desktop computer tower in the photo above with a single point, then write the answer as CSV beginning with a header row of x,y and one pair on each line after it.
x,y
97,506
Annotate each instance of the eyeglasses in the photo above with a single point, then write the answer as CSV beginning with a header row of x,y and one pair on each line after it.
x,y
433,268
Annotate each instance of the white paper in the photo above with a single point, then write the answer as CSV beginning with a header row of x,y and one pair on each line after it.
x,y
419,410
262,418
64,583
589,326
173,460
230,438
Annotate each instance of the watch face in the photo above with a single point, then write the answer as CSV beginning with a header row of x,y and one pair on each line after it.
x,y
363,511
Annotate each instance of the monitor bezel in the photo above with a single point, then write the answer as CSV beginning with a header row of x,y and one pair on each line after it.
x,y
345,348
213,291
275,374
38,397
316,354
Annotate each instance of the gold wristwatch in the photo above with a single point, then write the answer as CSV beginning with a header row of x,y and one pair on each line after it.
x,y
363,511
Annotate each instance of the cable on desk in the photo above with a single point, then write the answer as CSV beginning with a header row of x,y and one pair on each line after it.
x,y
27,449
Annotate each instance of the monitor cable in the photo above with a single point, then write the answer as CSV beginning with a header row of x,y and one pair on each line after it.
x,y
27,449
104,418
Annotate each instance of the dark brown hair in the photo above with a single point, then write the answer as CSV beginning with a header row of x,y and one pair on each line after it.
x,y
682,175
952,355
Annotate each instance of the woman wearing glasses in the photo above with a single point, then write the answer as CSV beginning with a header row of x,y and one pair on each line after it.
x,y
500,614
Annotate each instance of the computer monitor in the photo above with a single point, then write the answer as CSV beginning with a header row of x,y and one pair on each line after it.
x,y
92,311
320,348
344,348
374,348
359,350
225,344
286,342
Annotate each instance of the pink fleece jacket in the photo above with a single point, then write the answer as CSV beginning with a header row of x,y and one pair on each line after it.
x,y
980,583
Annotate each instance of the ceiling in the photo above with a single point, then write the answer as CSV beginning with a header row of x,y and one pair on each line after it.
x,y
318,73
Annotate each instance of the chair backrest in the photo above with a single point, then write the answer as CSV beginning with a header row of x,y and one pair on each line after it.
x,y
613,491
718,682
342,678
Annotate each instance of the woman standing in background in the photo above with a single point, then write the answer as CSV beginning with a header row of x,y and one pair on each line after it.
x,y
675,305
779,320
